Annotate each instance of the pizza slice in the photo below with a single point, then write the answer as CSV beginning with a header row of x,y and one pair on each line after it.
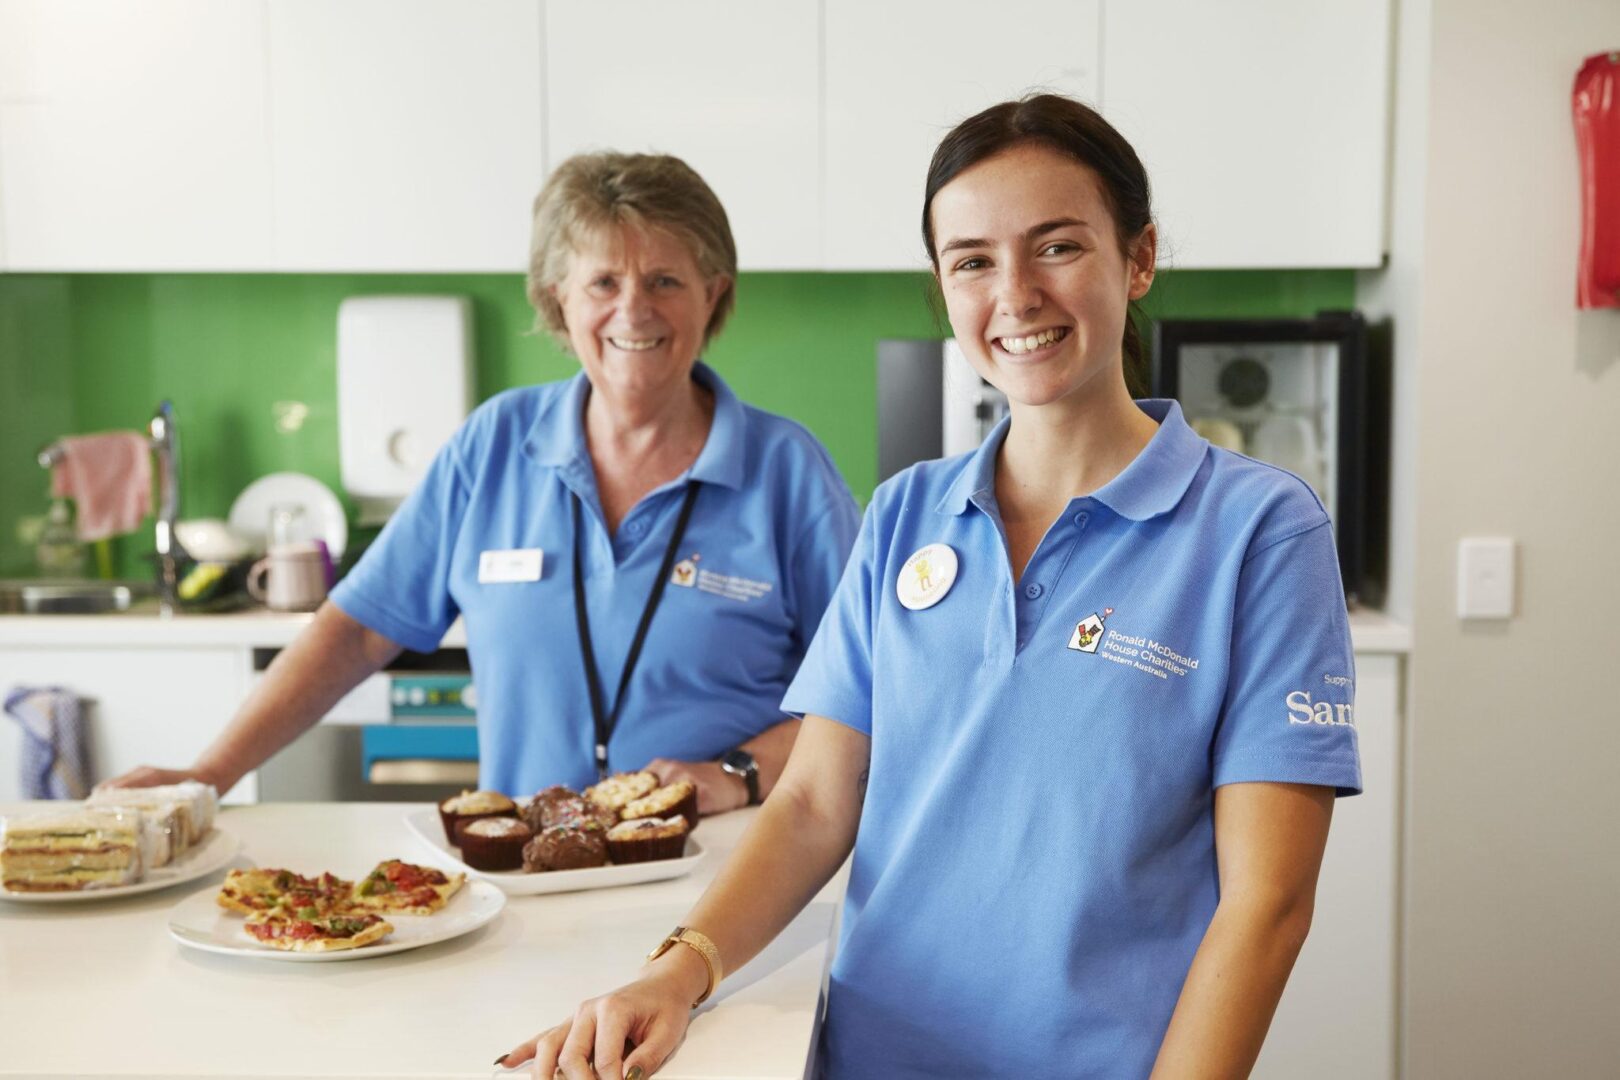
x,y
405,888
320,933
266,890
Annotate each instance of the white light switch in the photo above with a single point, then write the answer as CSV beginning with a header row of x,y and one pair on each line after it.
x,y
1485,578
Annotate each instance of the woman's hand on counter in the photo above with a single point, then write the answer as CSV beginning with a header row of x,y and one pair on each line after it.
x,y
717,790
150,776
625,1035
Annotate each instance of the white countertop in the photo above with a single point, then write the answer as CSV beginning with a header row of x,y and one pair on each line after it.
x,y
99,989
146,628
1371,631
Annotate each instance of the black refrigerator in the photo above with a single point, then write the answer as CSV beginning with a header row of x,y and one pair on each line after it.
x,y
1298,394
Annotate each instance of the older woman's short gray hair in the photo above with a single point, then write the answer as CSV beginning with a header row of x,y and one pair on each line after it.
x,y
645,191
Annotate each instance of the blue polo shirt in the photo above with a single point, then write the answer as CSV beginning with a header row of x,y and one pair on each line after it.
x,y
768,537
1035,865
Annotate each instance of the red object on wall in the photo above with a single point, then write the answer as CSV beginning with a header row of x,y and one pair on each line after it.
x,y
1597,137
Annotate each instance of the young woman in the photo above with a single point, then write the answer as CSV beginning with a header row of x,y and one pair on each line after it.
x,y
1080,705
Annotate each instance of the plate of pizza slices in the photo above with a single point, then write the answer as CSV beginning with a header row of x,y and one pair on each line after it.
x,y
269,913
212,851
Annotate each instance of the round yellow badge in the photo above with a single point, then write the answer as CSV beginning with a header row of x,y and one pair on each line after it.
x,y
926,577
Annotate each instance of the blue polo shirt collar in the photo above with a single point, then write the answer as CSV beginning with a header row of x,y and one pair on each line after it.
x,y
1149,486
557,439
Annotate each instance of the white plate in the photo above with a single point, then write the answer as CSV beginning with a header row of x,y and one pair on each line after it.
x,y
217,848
199,923
323,514
425,824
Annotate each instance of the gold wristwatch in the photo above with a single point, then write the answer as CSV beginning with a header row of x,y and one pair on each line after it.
x,y
705,948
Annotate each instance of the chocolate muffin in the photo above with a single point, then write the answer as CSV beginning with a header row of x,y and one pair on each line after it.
x,y
567,847
471,805
494,843
646,839
677,798
541,810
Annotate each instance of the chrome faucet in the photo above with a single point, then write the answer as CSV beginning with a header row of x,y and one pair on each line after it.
x,y
164,439
171,555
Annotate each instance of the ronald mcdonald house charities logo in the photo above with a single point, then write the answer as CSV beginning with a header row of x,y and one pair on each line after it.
x,y
1088,632
1120,646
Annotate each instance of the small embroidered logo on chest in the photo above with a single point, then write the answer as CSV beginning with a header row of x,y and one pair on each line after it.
x,y
732,586
1140,652
1088,632
926,577
685,572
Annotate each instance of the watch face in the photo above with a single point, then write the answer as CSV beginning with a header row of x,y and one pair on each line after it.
x,y
740,763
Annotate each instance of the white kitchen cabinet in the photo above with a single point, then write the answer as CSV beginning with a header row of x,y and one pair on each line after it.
x,y
134,136
145,706
407,134
1336,1020
730,86
411,135
1263,125
902,73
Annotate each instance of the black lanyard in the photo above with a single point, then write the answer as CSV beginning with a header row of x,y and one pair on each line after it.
x,y
607,721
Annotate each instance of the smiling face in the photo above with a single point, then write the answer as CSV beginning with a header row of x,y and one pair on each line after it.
x,y
636,306
1033,277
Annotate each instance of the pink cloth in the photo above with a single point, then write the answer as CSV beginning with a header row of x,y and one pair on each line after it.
x,y
109,477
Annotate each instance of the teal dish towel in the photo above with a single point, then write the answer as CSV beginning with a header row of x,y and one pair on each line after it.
x,y
55,757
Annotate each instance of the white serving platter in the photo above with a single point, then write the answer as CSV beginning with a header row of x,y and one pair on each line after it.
x,y
425,824
216,849
198,922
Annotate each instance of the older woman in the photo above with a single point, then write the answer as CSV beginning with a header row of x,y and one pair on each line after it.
x,y
562,518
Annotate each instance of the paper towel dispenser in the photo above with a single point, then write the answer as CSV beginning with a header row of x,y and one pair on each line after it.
x,y
404,386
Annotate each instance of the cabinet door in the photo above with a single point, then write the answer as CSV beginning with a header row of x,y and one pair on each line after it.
x,y
1263,125
902,73
134,136
407,133
1336,1020
729,86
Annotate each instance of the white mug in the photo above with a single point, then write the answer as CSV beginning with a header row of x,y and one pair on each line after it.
x,y
296,578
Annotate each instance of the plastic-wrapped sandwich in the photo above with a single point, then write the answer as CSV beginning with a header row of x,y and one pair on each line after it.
x,y
66,850
193,805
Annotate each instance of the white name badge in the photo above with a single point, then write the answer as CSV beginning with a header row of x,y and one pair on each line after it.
x,y
926,577
506,567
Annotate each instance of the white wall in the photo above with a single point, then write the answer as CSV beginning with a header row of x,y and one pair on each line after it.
x,y
1511,947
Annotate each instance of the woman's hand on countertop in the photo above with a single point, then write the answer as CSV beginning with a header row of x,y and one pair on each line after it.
x,y
150,776
717,790
625,1035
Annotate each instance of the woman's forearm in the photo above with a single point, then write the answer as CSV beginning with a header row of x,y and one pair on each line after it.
x,y
1232,989
784,859
802,835
332,655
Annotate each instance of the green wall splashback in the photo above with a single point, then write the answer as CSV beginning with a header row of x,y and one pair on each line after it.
x,y
93,352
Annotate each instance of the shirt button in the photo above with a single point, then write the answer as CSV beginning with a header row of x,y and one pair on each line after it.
x,y
637,527
1033,590
1081,518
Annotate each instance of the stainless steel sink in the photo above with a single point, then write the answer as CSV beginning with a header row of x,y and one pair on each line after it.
x,y
70,597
